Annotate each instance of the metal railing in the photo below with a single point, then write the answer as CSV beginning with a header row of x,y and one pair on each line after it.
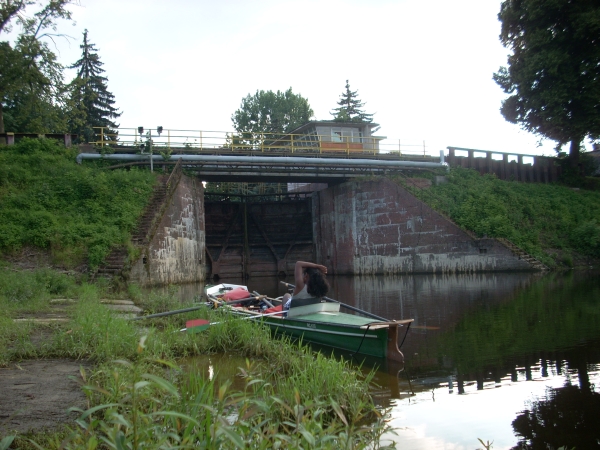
x,y
192,141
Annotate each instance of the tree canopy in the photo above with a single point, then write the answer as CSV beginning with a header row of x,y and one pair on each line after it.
x,y
31,80
91,101
270,112
349,108
553,73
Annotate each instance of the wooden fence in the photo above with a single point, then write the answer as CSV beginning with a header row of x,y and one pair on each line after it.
x,y
542,169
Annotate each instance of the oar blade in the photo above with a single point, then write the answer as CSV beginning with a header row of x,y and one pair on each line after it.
x,y
196,325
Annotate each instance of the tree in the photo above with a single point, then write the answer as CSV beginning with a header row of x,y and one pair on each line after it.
x,y
349,109
270,113
553,74
30,78
91,101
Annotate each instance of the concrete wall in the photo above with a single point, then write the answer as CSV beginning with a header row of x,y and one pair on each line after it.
x,y
377,227
176,253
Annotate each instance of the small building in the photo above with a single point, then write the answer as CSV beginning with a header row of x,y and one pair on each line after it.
x,y
323,136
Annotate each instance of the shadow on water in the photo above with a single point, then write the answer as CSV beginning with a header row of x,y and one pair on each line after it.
x,y
509,357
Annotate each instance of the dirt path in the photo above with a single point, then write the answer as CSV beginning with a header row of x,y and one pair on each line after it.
x,y
36,394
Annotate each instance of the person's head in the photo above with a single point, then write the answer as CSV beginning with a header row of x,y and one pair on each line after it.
x,y
316,283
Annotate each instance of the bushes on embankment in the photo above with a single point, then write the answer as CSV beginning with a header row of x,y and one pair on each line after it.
x,y
48,201
552,222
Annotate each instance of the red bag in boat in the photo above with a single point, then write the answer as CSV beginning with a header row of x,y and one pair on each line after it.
x,y
236,294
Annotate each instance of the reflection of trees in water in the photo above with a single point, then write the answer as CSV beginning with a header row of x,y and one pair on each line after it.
x,y
568,416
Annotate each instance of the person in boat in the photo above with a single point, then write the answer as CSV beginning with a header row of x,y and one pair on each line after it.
x,y
310,282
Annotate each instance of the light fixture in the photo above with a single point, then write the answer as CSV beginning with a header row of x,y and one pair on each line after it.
x,y
141,130
159,130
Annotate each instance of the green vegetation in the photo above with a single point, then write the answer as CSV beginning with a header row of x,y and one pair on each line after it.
x,y
77,213
267,115
32,94
552,74
140,398
92,102
350,108
553,223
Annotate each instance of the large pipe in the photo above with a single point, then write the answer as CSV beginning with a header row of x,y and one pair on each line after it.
x,y
282,160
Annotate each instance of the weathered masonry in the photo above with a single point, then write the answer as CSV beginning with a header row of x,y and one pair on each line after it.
x,y
354,228
174,252
378,227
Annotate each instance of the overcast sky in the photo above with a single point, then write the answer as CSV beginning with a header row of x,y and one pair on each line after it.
x,y
423,67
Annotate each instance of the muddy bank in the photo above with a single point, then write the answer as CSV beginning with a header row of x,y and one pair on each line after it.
x,y
37,394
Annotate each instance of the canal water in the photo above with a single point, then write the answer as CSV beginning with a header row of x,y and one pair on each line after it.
x,y
505,357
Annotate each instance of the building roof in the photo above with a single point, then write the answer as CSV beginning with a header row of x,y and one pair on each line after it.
x,y
332,124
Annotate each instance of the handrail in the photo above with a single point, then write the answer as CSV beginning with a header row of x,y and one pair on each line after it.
x,y
190,141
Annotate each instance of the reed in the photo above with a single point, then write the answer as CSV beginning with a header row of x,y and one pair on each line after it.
x,y
139,397
152,404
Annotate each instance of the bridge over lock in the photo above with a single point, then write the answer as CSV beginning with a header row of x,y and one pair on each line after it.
x,y
351,225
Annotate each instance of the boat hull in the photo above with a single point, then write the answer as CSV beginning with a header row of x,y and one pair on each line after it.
x,y
372,339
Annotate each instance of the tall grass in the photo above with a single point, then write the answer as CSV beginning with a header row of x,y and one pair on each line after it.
x,y
152,404
23,293
49,201
548,221
140,398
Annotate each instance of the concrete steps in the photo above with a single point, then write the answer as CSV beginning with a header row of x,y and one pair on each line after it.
x,y
116,260
521,254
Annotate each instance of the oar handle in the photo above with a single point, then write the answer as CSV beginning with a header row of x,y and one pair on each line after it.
x,y
168,313
352,308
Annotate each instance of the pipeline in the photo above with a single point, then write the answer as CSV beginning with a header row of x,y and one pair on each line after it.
x,y
271,160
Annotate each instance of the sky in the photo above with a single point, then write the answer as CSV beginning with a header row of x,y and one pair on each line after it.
x,y
422,67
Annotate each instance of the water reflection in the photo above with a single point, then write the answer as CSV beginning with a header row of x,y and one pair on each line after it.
x,y
491,356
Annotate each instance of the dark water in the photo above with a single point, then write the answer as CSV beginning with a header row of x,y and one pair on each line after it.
x,y
509,358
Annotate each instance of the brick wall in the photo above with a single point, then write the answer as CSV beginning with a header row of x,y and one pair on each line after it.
x,y
176,252
377,227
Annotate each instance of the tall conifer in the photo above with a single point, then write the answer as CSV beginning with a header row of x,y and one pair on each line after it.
x,y
349,109
92,103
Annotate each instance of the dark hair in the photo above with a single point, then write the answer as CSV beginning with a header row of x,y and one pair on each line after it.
x,y
317,285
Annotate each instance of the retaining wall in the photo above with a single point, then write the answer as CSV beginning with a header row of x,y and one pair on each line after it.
x,y
176,252
378,227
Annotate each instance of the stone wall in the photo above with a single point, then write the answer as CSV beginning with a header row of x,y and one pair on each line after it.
x,y
176,252
378,227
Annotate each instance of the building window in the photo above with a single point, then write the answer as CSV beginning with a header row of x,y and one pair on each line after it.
x,y
336,136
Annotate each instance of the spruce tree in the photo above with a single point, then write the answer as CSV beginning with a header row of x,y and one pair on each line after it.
x,y
91,102
349,109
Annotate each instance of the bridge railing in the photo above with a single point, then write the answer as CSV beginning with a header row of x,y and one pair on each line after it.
x,y
192,141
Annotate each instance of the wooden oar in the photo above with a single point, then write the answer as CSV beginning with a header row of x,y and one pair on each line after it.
x,y
198,325
169,313
352,308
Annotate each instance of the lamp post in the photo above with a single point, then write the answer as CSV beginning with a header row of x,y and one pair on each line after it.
x,y
159,130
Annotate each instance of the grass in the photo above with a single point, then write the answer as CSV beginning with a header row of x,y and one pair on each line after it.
x,y
76,212
139,396
552,222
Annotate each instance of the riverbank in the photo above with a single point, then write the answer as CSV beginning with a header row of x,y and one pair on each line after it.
x,y
79,353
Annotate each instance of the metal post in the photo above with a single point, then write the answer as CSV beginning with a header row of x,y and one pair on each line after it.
x,y
423,148
150,148
200,139
292,141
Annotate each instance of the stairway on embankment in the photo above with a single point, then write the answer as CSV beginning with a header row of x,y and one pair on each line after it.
x,y
522,254
117,262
